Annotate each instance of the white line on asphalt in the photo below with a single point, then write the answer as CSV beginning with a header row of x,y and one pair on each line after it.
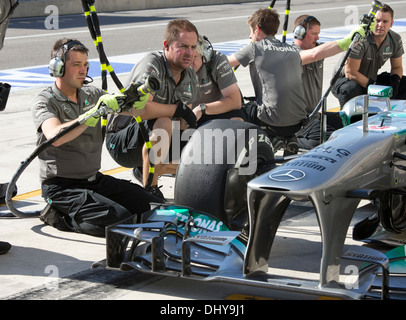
x,y
165,23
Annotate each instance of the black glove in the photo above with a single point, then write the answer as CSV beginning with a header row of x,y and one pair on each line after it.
x,y
183,111
370,82
394,82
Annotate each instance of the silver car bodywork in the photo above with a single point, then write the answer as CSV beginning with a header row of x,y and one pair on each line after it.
x,y
358,162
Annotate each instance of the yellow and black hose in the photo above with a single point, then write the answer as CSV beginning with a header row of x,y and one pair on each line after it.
x,y
94,28
286,22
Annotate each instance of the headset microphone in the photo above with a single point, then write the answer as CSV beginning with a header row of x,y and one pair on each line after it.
x,y
88,81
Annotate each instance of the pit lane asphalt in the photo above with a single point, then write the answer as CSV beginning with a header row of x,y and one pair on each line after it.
x,y
46,264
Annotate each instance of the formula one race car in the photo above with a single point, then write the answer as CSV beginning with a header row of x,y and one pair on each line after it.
x,y
220,241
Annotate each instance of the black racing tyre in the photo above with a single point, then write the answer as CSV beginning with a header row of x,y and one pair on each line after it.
x,y
392,210
216,165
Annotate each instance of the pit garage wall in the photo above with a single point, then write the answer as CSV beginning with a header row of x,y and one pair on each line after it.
x,y
35,8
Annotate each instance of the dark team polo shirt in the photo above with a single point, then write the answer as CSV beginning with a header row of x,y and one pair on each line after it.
x,y
275,69
373,58
312,78
156,64
79,158
214,76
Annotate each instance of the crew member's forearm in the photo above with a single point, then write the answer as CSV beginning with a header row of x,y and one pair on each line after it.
x,y
154,110
359,78
320,52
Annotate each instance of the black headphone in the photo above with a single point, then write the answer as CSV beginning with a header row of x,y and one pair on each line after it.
x,y
57,65
301,29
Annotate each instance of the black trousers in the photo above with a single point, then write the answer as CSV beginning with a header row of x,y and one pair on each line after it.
x,y
345,89
250,110
281,137
90,206
125,146
226,115
311,137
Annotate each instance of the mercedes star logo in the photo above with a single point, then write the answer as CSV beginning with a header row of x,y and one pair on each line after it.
x,y
287,175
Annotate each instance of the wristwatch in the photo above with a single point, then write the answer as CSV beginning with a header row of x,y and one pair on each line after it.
x,y
202,107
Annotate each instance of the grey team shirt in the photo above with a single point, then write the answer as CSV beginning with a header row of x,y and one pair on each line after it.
x,y
156,64
276,70
373,58
214,76
76,159
312,78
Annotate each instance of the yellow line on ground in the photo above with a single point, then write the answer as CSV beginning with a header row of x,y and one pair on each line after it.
x,y
27,195
116,170
35,193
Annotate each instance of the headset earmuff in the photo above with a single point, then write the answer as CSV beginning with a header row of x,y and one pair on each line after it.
x,y
207,49
300,31
57,65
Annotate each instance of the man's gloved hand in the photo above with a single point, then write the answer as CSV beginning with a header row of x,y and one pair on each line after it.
x,y
345,43
110,101
372,25
394,82
92,121
183,111
370,82
140,104
107,99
